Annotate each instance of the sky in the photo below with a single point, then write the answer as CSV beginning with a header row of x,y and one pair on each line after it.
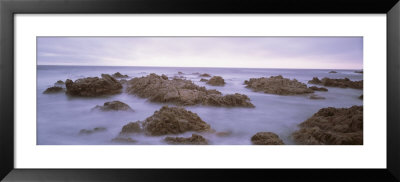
x,y
242,52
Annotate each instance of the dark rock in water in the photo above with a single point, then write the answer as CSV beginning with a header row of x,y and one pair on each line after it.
x,y
181,92
132,127
165,77
180,73
316,97
113,106
93,86
98,129
193,140
59,82
266,138
323,89
54,89
205,75
361,96
223,133
277,85
203,80
359,71
332,126
119,75
342,83
332,72
216,81
123,140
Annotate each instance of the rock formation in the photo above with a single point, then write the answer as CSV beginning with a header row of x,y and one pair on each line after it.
x,y
203,80
132,127
216,81
119,75
342,83
113,106
59,82
205,75
193,140
266,138
322,89
54,89
93,86
277,85
85,131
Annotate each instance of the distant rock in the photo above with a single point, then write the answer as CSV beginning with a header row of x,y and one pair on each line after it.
x,y
180,73
132,127
266,138
361,96
316,97
277,85
52,90
205,75
223,133
342,83
332,72
193,140
216,81
59,82
119,75
203,80
113,106
120,139
332,126
93,86
182,92
322,89
86,132
359,71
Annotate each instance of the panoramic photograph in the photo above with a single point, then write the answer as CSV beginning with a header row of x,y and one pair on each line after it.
x,y
199,91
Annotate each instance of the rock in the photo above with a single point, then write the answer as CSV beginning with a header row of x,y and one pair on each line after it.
x,y
332,126
216,81
123,140
266,138
113,106
123,81
223,133
342,83
203,80
180,73
181,92
119,75
132,127
97,129
332,72
361,96
93,86
165,77
196,73
323,89
359,71
205,75
59,82
193,140
316,97
278,85
52,90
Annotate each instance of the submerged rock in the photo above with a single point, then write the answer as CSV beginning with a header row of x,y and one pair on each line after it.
x,y
182,92
193,140
332,72
123,140
113,106
332,126
316,97
132,127
223,133
52,90
119,75
216,81
342,83
98,129
93,86
205,75
59,82
277,85
203,80
359,71
323,89
266,138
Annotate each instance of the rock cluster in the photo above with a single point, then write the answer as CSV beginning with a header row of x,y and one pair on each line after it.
x,y
216,81
113,106
342,83
54,89
182,92
322,89
93,86
119,75
193,140
266,138
278,85
332,126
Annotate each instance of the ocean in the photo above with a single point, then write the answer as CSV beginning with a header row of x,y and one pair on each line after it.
x,y
60,117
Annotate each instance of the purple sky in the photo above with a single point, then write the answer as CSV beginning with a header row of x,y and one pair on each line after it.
x,y
249,52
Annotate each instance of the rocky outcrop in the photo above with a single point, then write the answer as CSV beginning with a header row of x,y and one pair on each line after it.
x,y
277,85
203,80
120,139
266,138
182,92
193,140
316,97
59,82
342,83
132,127
216,81
332,72
322,89
180,73
332,126
93,86
119,75
113,106
86,132
205,75
52,90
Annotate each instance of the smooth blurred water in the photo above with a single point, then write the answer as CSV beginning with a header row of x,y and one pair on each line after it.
x,y
60,117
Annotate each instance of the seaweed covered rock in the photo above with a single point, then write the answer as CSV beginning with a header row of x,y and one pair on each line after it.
x,y
342,83
132,127
205,75
113,106
86,131
193,140
181,92
266,138
119,75
322,89
316,97
332,126
277,85
216,81
52,90
93,86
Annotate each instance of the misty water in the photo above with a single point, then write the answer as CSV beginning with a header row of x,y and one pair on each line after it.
x,y
60,117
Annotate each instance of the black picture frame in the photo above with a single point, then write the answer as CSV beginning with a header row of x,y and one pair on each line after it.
x,y
8,8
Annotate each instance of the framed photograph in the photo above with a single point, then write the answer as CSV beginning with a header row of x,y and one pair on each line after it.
x,y
130,90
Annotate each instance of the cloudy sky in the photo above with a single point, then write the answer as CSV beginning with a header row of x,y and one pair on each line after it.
x,y
248,52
